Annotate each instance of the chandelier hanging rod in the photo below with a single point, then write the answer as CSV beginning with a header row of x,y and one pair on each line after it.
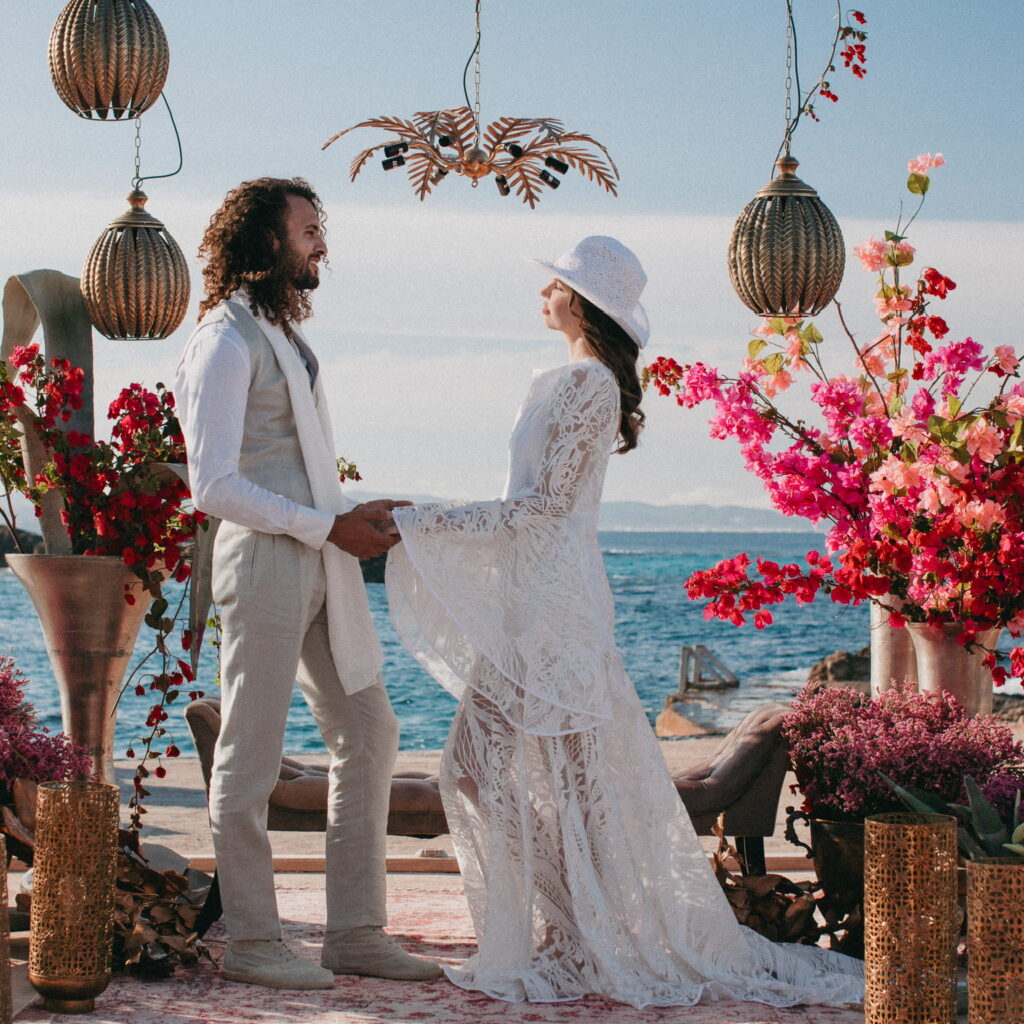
x,y
475,52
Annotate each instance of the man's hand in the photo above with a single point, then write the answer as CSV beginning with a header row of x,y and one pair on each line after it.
x,y
359,532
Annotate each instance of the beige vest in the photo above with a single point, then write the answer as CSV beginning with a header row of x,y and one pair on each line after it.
x,y
287,448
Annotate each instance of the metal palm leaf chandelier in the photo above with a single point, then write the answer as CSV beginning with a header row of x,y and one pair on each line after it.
x,y
786,253
525,155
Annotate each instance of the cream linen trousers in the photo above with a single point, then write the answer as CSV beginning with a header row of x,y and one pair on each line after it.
x,y
270,590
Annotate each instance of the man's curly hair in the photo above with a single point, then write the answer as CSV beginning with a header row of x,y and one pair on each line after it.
x,y
239,249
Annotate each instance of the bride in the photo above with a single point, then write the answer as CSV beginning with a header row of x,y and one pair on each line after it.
x,y
581,868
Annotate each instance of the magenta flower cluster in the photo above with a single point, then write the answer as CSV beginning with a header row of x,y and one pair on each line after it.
x,y
27,749
916,461
842,743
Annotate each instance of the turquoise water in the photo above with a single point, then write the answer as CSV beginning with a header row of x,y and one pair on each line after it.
x,y
654,618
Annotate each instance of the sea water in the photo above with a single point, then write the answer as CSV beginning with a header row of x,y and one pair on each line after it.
x,y
654,619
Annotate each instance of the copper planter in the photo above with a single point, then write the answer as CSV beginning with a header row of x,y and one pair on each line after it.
x,y
5,953
911,919
995,941
90,632
73,881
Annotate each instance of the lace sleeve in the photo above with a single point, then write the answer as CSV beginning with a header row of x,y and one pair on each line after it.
x,y
509,596
581,423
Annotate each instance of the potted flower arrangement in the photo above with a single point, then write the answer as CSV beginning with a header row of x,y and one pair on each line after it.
x,y
115,525
921,481
845,748
29,754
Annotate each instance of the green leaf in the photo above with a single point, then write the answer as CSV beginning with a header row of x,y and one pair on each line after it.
x,y
774,363
918,799
777,324
1018,833
969,847
891,236
1014,848
918,184
811,335
1015,442
754,346
955,405
987,825
897,375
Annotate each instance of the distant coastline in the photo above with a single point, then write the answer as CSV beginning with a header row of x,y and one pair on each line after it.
x,y
641,516
620,516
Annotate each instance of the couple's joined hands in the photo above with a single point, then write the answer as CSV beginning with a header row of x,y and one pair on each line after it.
x,y
368,529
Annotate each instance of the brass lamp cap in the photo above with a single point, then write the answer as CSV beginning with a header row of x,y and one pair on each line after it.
x,y
787,183
136,216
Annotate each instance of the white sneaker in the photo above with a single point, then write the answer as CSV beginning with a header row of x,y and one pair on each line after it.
x,y
370,951
270,962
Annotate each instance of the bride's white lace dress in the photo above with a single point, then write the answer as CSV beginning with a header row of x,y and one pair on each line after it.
x,y
581,868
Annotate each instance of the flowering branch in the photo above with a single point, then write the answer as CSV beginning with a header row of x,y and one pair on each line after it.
x,y
854,58
126,497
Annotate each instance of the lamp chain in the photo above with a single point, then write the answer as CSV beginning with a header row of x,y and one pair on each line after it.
x,y
789,74
137,180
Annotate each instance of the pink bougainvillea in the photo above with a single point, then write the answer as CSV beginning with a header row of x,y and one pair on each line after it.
x,y
920,479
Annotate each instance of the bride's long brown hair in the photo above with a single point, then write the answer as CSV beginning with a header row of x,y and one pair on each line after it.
x,y
619,352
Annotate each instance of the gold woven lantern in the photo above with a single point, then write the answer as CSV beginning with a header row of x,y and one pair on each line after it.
x,y
73,887
108,58
786,254
135,280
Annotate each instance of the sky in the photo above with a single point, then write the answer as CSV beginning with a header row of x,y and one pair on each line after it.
x,y
428,320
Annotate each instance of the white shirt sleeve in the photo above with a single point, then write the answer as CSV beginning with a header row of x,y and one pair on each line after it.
x,y
211,392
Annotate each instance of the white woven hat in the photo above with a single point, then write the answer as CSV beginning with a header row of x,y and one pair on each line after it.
x,y
604,271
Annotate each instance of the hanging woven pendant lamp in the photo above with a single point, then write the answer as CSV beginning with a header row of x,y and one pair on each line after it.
x,y
108,58
786,254
135,280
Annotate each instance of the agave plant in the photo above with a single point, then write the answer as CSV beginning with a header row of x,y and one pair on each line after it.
x,y
985,834
520,152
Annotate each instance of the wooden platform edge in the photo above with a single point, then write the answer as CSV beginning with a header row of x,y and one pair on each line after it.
x,y
450,866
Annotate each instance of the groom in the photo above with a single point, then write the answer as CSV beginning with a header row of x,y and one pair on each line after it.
x,y
287,583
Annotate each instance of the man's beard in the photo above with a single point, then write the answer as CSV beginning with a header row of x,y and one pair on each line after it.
x,y
299,273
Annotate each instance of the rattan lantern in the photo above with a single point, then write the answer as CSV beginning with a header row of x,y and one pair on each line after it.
x,y
786,254
135,280
108,58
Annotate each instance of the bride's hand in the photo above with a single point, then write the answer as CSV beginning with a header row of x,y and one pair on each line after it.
x,y
380,505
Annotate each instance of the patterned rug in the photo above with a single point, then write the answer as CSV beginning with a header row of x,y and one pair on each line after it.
x,y
434,924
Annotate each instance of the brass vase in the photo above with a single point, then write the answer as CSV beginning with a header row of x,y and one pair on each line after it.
x,y
995,941
5,952
90,632
73,880
942,664
911,919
